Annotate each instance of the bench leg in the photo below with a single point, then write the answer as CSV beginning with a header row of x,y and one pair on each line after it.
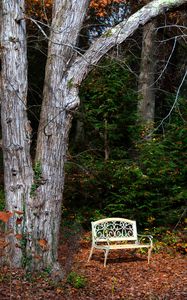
x,y
149,254
91,252
106,254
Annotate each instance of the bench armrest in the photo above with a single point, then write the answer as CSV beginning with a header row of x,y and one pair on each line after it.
x,y
149,237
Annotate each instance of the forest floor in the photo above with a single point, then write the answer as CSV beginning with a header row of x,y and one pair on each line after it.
x,y
126,277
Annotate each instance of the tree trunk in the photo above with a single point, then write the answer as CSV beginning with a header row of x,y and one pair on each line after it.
x,y
146,104
15,125
44,214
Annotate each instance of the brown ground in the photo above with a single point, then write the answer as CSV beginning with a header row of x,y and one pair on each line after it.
x,y
126,277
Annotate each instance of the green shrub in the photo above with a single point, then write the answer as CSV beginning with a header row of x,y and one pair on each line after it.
x,y
77,281
143,179
150,188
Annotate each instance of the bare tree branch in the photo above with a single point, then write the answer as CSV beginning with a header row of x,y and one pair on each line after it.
x,y
173,106
116,36
167,63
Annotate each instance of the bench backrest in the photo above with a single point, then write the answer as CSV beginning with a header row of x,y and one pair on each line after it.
x,y
114,229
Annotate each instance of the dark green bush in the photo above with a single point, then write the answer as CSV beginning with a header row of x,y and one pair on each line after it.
x,y
150,188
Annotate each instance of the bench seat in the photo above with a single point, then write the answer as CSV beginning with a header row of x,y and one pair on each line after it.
x,y
122,246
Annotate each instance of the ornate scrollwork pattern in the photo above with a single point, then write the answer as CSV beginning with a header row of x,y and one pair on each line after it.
x,y
113,229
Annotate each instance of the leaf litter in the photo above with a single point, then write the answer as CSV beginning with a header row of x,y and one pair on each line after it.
x,y
127,276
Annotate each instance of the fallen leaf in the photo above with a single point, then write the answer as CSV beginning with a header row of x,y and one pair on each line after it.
x,y
18,236
59,290
38,257
5,216
18,212
43,244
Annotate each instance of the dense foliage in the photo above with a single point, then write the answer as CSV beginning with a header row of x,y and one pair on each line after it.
x,y
143,179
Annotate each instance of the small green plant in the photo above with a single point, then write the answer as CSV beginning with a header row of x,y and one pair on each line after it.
x,y
2,198
37,170
108,33
29,277
37,177
114,281
70,83
76,280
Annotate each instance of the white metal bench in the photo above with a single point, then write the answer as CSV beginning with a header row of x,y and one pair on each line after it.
x,y
117,233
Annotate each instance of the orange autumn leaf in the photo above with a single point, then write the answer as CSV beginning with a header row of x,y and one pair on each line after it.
x,y
18,212
5,216
42,8
103,3
18,236
100,5
42,243
38,257
59,290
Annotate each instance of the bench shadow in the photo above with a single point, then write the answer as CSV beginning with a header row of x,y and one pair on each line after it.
x,y
118,259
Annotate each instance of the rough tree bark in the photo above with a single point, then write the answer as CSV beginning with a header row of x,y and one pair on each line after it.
x,y
39,195
146,103
15,125
44,213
